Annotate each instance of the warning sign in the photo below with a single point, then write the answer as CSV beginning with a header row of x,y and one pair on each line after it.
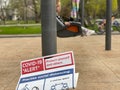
x,y
57,61
31,66
54,72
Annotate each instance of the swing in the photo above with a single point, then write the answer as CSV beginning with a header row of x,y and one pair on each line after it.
x,y
75,27
68,31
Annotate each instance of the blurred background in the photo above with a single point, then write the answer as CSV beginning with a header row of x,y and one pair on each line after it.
x,y
28,11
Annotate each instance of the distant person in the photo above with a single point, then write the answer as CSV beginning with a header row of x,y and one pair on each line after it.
x,y
102,25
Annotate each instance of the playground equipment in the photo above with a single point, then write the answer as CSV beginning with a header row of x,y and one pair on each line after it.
x,y
68,31
75,27
48,23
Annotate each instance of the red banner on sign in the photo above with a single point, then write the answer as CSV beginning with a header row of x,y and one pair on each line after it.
x,y
32,66
57,61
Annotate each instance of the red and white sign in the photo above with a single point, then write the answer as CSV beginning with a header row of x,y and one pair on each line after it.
x,y
60,60
47,63
32,66
53,72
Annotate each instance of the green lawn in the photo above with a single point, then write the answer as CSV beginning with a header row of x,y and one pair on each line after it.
x,y
20,30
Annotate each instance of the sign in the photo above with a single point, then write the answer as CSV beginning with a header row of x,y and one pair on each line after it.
x,y
32,66
59,60
54,72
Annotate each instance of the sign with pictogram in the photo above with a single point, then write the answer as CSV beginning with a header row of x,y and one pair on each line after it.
x,y
54,72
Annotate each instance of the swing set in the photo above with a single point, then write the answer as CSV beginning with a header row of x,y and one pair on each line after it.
x,y
74,29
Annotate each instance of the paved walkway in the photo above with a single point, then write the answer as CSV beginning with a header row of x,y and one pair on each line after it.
x,y
98,69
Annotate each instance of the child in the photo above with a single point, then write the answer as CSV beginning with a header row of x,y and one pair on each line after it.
x,y
85,31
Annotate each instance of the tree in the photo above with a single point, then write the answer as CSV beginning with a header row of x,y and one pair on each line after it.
x,y
17,5
3,7
26,9
114,7
118,3
36,9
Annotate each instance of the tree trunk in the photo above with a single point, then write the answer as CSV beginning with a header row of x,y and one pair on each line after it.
x,y
36,12
3,18
25,12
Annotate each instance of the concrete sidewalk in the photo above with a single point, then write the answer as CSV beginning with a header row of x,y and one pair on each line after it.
x,y
98,69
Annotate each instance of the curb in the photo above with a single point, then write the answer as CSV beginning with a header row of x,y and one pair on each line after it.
x,y
20,35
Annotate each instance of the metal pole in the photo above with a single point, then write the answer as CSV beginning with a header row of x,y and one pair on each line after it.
x,y
48,24
108,24
82,12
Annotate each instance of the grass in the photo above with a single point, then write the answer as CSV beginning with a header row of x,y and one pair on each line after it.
x,y
20,30
9,30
